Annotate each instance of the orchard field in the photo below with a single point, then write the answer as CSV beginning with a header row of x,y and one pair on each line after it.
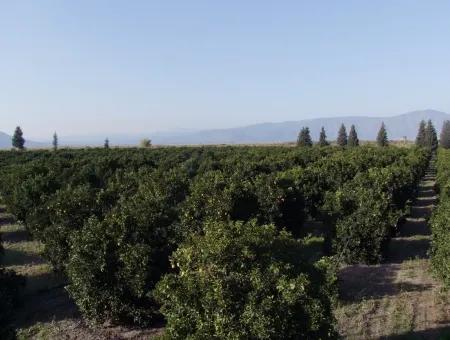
x,y
215,242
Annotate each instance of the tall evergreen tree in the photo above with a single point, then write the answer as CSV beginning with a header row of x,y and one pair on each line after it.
x,y
55,141
342,136
445,135
106,145
382,139
420,139
353,137
431,140
323,138
304,138
17,140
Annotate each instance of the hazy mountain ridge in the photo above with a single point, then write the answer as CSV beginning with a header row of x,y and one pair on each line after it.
x,y
398,126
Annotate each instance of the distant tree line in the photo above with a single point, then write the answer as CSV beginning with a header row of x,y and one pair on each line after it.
x,y
351,140
426,136
18,141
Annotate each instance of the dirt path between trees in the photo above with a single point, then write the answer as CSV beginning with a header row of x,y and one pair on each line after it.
x,y
398,299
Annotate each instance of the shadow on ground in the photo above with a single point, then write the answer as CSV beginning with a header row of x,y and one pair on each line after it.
x,y
7,219
362,282
44,297
415,227
404,249
46,306
14,257
428,334
15,236
44,282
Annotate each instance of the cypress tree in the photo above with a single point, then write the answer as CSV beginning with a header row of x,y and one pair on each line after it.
x,y
106,145
55,141
17,140
342,136
353,137
304,138
445,135
420,139
323,138
382,139
431,140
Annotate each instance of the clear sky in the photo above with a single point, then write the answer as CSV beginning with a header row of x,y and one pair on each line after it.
x,y
98,67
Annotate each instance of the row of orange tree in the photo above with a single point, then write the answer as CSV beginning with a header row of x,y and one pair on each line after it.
x,y
440,220
209,236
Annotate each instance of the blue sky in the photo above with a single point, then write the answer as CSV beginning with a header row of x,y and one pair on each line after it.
x,y
98,67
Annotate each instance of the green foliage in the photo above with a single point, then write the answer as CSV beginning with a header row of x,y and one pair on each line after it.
x,y
382,138
421,138
353,137
18,141
431,140
440,221
323,138
274,198
440,246
244,280
304,138
427,136
55,142
365,210
109,219
364,221
66,211
342,136
115,263
445,135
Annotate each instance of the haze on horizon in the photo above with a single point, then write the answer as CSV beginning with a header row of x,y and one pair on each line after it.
x,y
106,67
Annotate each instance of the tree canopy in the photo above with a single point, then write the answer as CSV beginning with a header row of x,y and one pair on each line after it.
x,y
382,138
420,139
353,137
431,139
445,135
323,138
342,136
304,138
55,141
17,140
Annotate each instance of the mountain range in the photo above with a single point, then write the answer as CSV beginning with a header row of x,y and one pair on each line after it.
x,y
398,127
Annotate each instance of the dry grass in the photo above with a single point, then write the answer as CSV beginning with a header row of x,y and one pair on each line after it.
x,y
75,328
411,302
398,299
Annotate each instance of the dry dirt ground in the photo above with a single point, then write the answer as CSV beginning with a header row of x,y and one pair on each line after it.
x,y
398,299
46,311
